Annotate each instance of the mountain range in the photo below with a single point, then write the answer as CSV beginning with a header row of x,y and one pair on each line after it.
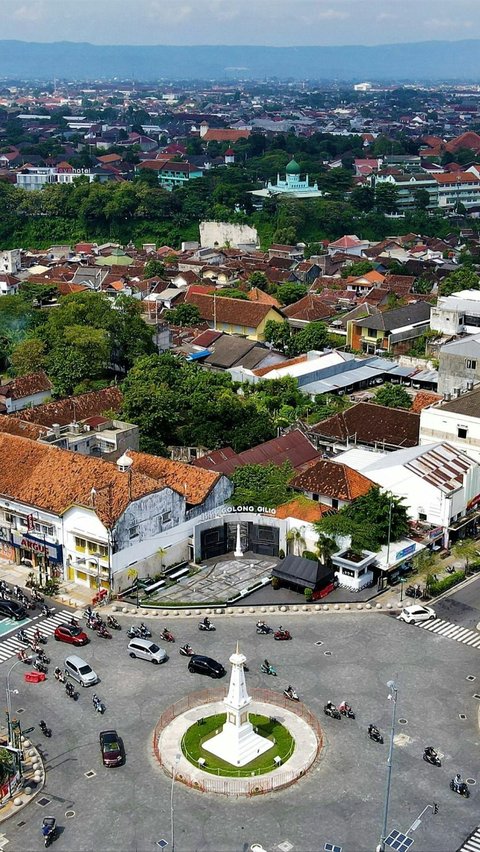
x,y
418,61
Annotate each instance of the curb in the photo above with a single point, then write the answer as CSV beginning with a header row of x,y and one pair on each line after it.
x,y
34,772
291,609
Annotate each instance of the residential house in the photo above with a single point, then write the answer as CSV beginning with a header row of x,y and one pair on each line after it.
x,y
332,483
10,261
292,253
311,308
169,173
294,447
75,409
8,284
390,331
369,425
459,365
24,392
457,314
234,316
454,420
350,245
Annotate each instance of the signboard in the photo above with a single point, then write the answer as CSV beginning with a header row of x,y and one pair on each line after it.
x,y
407,551
36,545
436,532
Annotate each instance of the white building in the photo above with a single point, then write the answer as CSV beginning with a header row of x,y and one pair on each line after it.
x,y
456,421
36,177
457,314
293,185
439,484
10,261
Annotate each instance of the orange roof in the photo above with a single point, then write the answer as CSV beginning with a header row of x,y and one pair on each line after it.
x,y
15,426
423,400
192,482
302,509
225,135
457,177
264,370
257,295
332,479
373,276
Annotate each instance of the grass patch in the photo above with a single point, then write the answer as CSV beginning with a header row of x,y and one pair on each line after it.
x,y
283,745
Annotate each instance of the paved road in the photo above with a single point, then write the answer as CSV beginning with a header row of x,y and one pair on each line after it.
x,y
472,844
340,801
462,607
9,645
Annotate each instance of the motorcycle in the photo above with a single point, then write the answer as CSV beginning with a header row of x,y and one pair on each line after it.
x,y
145,633
413,592
103,632
40,667
113,623
202,625
186,651
37,596
49,830
98,705
23,657
331,711
88,613
281,634
39,637
291,694
134,633
167,636
70,691
44,728
263,628
269,670
431,756
22,637
74,622
347,712
461,788
59,675
47,611
42,657
375,734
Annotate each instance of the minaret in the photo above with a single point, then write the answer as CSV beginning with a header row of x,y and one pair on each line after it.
x,y
237,743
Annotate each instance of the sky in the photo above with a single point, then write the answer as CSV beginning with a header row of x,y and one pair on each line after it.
x,y
260,22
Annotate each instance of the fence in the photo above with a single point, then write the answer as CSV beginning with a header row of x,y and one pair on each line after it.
x,y
232,786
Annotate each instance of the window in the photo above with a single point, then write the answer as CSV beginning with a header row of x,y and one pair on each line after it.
x,y
462,431
133,531
43,529
9,518
334,503
422,516
470,364
80,544
167,516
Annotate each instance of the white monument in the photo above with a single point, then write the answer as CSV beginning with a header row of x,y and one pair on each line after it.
x,y
238,545
237,743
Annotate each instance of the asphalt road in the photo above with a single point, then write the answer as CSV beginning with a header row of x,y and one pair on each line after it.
x,y
462,607
340,801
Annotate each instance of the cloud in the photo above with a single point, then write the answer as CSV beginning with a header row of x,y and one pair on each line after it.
x,y
29,12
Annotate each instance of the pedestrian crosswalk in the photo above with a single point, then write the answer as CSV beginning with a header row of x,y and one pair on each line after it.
x,y
452,631
11,646
472,844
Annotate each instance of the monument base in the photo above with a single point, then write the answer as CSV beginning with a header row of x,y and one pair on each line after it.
x,y
238,745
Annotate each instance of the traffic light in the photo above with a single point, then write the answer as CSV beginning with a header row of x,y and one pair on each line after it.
x,y
435,808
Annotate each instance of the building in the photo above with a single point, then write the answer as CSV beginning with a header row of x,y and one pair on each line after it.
x,y
459,365
86,520
390,331
293,185
439,484
10,261
36,177
294,448
331,483
458,188
24,392
367,425
350,244
171,174
457,314
8,284
454,420
234,316
407,186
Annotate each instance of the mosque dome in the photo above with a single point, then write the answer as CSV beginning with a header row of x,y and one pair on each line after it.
x,y
293,168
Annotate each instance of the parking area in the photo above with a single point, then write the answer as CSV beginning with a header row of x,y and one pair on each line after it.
x,y
332,656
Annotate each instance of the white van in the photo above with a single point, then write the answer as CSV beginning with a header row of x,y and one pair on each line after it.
x,y
145,649
80,671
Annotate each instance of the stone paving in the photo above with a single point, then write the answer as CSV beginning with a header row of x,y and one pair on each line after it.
x,y
219,581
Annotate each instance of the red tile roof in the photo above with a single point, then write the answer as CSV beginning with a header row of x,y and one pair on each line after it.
x,y
332,479
310,309
293,447
21,428
302,509
231,311
192,483
368,423
423,400
64,411
24,386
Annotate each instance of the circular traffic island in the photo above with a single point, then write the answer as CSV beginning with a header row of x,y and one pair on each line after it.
x,y
197,736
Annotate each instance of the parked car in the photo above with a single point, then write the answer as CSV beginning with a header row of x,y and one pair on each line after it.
x,y
416,614
80,671
13,609
145,649
111,748
206,666
72,635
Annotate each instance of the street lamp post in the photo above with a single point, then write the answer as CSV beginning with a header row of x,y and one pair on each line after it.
x,y
393,698
172,811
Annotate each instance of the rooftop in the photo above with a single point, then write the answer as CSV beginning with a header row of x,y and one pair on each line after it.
x,y
332,479
293,447
75,408
369,423
191,482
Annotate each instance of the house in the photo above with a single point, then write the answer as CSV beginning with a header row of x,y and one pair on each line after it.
x,y
292,253
439,484
457,314
311,308
459,365
350,245
9,284
10,261
332,483
75,408
24,392
454,420
391,331
169,173
234,316
458,188
294,447
221,134
369,425
86,520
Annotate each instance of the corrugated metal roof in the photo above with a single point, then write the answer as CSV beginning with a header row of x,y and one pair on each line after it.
x,y
426,376
195,356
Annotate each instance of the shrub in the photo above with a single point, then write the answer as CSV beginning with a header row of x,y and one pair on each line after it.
x,y
309,554
308,594
436,587
275,583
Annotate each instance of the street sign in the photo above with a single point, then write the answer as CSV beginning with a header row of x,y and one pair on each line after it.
x,y
28,730
399,841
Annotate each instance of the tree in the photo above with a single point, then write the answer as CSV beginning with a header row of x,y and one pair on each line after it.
x,y
183,315
326,547
259,280
82,353
421,198
462,279
296,537
261,485
355,270
28,356
289,293
393,396
313,336
386,198
278,334
231,293
363,198
466,549
38,294
367,520
153,268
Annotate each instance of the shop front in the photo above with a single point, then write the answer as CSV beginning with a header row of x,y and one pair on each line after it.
x,y
39,554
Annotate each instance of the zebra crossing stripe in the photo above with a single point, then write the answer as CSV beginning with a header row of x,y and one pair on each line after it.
x,y
12,646
472,844
438,626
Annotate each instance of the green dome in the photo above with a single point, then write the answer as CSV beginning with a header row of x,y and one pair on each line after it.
x,y
293,168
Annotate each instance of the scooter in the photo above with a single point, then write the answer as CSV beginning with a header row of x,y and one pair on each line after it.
x,y
461,789
70,691
22,637
23,657
167,636
103,632
291,694
186,651
347,712
206,626
113,623
269,670
44,728
99,706
134,633
145,633
49,830
59,675
282,634
263,628
331,711
39,637
431,756
47,611
37,596
375,734
42,657
40,667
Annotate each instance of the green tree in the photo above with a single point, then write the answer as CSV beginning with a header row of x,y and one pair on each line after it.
x,y
421,198
29,356
462,279
153,268
393,396
82,353
386,198
290,292
313,336
326,547
367,520
360,267
183,315
261,485
259,280
38,294
231,293
363,198
466,549
278,334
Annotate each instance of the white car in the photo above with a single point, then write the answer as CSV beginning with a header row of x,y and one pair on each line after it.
x,y
416,614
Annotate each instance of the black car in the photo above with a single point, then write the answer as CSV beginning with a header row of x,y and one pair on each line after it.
x,y
206,666
12,609
111,748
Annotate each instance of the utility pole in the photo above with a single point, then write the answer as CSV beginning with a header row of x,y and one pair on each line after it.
x,y
393,698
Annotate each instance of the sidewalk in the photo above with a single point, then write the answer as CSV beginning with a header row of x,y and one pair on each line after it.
x,y
33,782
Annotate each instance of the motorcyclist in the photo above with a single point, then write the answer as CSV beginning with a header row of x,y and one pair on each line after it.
x,y
186,647
430,751
344,707
457,781
331,706
289,690
22,655
372,729
206,622
267,665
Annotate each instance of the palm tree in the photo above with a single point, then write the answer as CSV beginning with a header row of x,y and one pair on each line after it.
x,y
295,535
466,549
132,575
326,547
161,553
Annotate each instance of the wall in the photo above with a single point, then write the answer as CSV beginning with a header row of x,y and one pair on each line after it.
x,y
454,373
440,425
28,401
218,496
222,233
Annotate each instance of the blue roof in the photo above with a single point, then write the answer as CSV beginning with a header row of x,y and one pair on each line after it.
x,y
195,356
